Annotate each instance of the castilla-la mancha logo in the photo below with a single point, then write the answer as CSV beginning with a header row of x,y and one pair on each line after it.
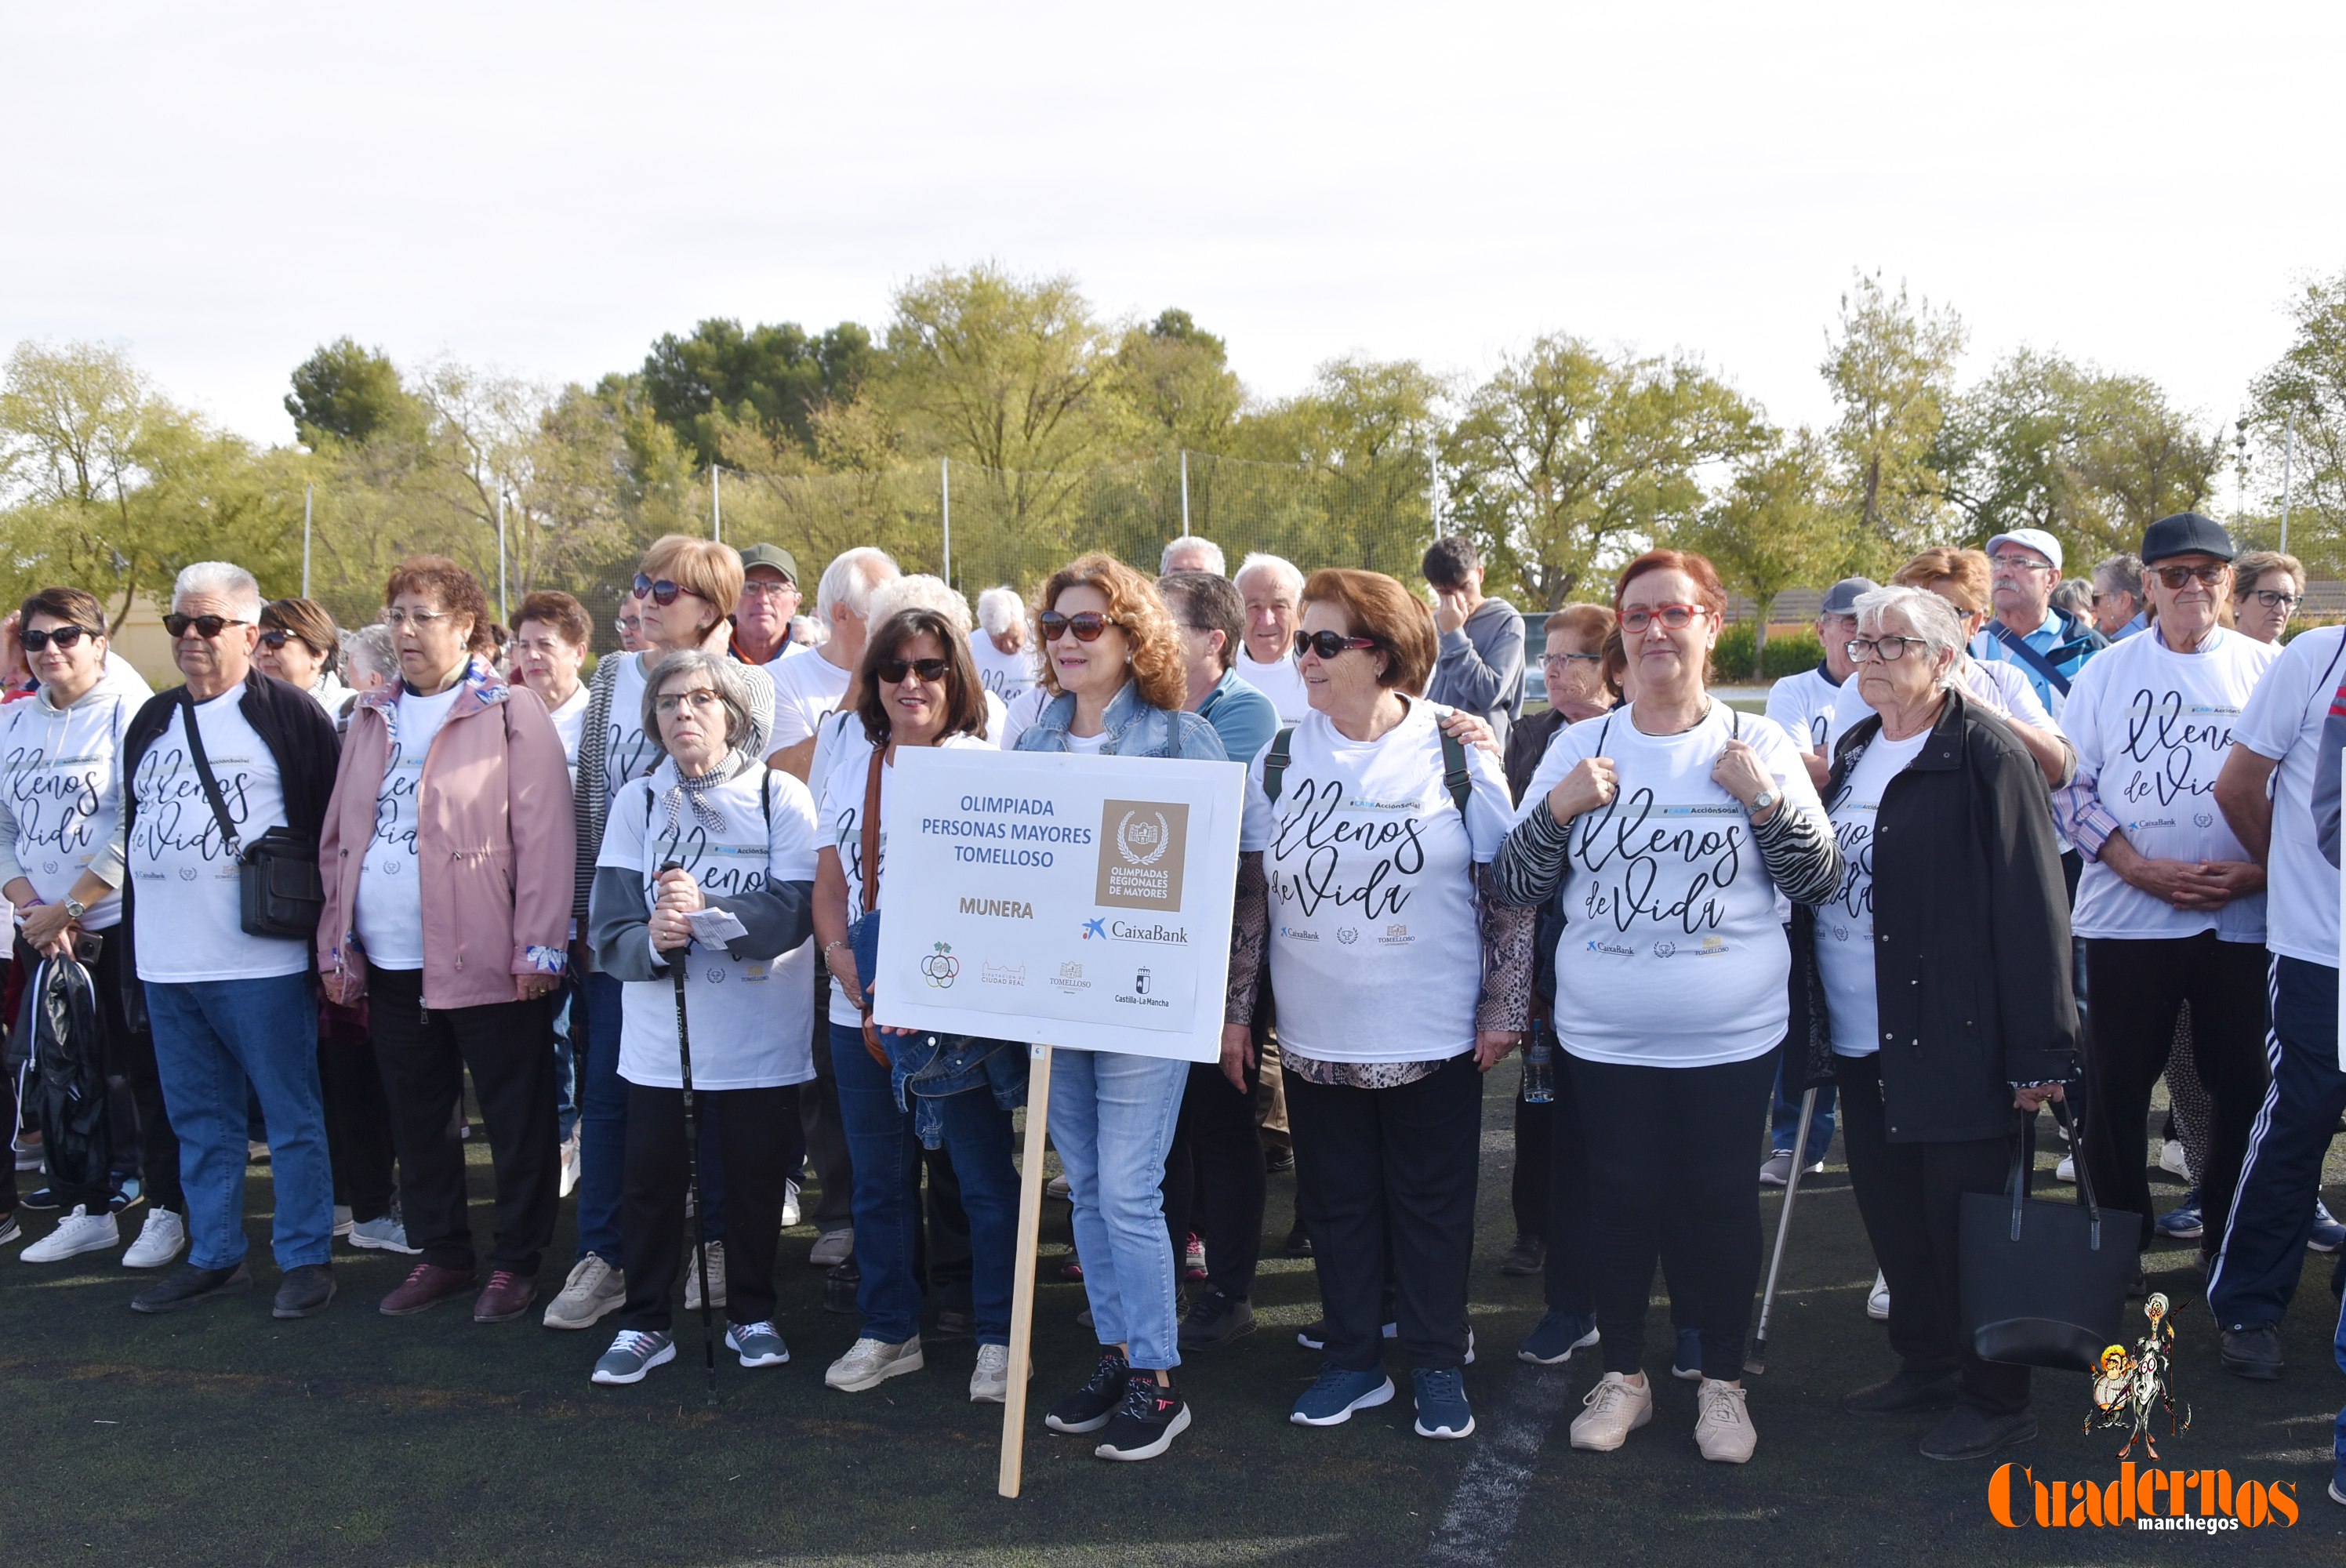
x,y
1141,847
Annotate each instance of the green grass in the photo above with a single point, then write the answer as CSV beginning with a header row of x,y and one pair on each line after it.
x,y
223,1437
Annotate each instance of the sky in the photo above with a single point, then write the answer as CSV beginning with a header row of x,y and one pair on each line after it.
x,y
546,189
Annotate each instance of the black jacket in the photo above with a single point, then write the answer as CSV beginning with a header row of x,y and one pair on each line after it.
x,y
1971,920
299,736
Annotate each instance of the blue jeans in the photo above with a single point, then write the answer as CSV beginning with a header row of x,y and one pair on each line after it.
x,y
602,1123
1784,1118
885,1154
212,1038
565,1060
1112,1119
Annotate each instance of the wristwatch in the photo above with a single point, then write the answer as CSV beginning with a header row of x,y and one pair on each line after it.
x,y
1761,801
74,908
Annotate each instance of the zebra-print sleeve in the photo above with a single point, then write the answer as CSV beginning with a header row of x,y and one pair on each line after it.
x,y
1803,857
1531,859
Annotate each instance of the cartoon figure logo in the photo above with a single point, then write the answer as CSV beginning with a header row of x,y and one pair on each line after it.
x,y
2130,1389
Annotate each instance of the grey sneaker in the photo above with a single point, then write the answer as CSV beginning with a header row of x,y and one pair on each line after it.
x,y
593,1292
989,1382
716,1278
387,1233
632,1354
757,1344
871,1362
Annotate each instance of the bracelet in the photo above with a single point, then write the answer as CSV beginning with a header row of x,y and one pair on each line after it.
x,y
827,946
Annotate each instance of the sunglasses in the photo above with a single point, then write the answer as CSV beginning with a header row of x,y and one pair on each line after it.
x,y
274,638
207,627
1674,617
662,592
64,636
892,671
2178,577
1086,625
1328,644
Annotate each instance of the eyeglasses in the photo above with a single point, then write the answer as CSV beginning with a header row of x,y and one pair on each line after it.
x,y
207,627
64,636
1889,650
275,637
2270,598
1560,661
892,671
399,620
1674,617
1086,625
1328,644
2180,576
629,625
696,700
662,592
2022,563
754,589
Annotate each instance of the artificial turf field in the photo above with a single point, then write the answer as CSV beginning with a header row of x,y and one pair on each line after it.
x,y
221,1436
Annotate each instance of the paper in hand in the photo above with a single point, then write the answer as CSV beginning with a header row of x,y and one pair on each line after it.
x,y
715,928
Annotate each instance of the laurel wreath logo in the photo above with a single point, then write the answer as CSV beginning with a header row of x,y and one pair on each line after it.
x,y
1161,835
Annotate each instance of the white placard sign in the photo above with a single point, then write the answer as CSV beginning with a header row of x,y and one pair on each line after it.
x,y
1080,901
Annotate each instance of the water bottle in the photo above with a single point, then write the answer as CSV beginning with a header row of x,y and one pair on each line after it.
x,y
1539,1071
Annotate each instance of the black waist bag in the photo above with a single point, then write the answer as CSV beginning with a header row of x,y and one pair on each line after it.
x,y
2044,1284
280,890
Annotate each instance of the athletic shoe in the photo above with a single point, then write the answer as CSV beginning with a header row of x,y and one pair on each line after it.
x,y
1877,1300
304,1291
1969,1432
79,1232
632,1354
716,1278
342,1219
28,1152
256,1152
1057,1187
1442,1409
160,1240
1686,1361
1216,1319
2338,1488
568,1181
426,1285
1524,1257
1331,1401
187,1285
1193,1258
387,1233
505,1297
1278,1160
1313,1336
831,1247
791,1213
1722,1427
1088,1408
9,1229
128,1192
1145,1425
1613,1410
40,1200
2328,1234
593,1292
757,1344
2183,1222
1776,1170
1559,1334
871,1362
2068,1169
2171,1160
2251,1353
989,1381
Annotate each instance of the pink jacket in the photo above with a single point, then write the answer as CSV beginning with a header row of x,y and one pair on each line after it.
x,y
495,845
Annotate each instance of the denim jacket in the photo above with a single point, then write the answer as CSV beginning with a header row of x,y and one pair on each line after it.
x,y
925,1067
1134,730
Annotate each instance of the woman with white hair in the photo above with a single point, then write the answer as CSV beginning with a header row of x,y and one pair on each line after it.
x,y
1006,658
1933,989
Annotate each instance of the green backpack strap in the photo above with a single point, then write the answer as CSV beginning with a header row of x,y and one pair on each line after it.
x,y
1274,764
1453,769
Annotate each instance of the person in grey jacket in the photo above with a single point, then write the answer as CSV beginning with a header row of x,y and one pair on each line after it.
x,y
1480,662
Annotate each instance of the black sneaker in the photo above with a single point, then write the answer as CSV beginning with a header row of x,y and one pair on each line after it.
x,y
305,1289
1145,1425
1298,1241
187,1285
1217,1319
41,1200
1525,1257
1088,1408
838,1288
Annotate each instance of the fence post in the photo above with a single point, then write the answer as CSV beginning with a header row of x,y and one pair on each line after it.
x,y
944,503
306,489
501,557
2287,462
1185,490
716,508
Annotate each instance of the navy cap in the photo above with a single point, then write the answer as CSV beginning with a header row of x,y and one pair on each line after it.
x,y
2186,534
1840,599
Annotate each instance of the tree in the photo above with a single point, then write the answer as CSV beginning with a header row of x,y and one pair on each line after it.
x,y
2301,400
1569,461
1892,371
1363,433
1775,527
350,393
771,378
1178,379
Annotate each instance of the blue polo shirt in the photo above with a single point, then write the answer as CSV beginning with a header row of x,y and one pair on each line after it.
x,y
1241,716
2046,639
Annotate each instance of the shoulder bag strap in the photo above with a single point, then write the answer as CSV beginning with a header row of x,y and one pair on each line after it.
x,y
1453,769
2029,656
872,829
1274,766
204,771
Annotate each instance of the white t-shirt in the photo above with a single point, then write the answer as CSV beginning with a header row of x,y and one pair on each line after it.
x,y
627,752
390,913
2152,729
1005,675
1376,951
1672,954
1281,682
1845,925
2282,723
840,825
752,1019
60,771
804,690
1086,744
189,921
1802,703
1019,715
570,724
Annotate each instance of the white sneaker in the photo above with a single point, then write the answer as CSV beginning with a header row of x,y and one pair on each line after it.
x,y
716,1278
1057,1187
2068,1169
831,1247
342,1219
2171,1160
593,1292
1615,1408
569,1182
79,1232
1877,1300
1722,1427
989,1384
871,1362
791,1214
162,1238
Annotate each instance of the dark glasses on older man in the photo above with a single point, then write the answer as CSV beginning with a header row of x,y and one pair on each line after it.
x,y
1086,625
207,627
2177,577
1328,644
64,636
662,592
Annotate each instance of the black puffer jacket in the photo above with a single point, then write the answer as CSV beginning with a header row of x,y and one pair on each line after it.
x,y
1971,920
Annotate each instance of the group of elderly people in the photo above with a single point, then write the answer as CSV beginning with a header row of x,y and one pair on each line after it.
x,y
1691,909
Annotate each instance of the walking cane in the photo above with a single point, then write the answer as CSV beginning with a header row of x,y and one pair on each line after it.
x,y
1757,1361
692,1158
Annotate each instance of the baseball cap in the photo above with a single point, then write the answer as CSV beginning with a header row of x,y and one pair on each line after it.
x,y
2035,539
1840,599
2186,534
773,555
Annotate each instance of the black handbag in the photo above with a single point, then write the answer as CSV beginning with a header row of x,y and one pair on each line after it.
x,y
2045,1284
280,890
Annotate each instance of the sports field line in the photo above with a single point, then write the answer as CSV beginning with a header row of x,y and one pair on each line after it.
x,y
1481,1519
1168,1555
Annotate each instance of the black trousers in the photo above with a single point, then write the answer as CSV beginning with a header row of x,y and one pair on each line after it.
x,y
822,1134
2140,989
1379,1168
651,1209
1670,1148
1214,1178
358,1118
1910,1196
509,1047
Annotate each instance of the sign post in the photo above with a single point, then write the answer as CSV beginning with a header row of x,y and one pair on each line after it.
x,y
1085,901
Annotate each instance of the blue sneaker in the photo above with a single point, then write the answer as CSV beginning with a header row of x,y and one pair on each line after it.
x,y
1442,1409
1559,1334
1330,1402
2328,1234
632,1354
757,1344
1686,1361
2183,1223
